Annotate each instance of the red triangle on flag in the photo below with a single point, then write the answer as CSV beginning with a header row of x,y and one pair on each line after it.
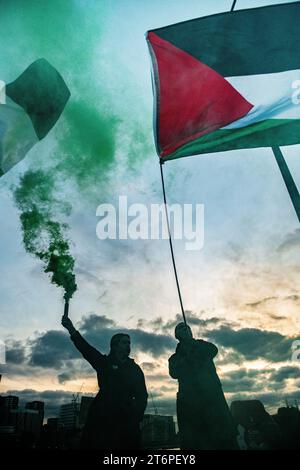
x,y
193,99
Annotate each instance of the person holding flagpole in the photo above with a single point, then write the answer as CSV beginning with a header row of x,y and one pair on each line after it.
x,y
204,419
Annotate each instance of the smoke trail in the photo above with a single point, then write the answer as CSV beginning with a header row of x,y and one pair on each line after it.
x,y
43,236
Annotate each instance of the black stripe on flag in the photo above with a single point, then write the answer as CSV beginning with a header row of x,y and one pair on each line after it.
x,y
243,42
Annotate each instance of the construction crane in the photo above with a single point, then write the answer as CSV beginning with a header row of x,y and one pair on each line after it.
x,y
75,402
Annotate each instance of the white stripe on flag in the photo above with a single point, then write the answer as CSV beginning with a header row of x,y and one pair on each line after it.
x,y
274,96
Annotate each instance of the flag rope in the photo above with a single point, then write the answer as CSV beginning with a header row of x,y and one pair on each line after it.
x,y
170,240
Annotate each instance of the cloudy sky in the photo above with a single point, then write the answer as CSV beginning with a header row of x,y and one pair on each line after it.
x,y
241,291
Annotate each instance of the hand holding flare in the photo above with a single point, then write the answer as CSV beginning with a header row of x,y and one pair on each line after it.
x,y
66,322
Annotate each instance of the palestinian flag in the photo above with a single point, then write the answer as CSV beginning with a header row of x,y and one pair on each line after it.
x,y
227,81
29,108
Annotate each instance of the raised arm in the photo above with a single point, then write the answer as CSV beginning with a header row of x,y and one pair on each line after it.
x,y
92,355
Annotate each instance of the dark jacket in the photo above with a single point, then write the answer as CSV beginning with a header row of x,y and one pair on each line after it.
x,y
193,366
204,419
114,417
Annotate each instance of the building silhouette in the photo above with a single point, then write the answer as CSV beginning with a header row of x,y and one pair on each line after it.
x,y
10,402
69,415
158,430
84,409
258,430
22,427
288,420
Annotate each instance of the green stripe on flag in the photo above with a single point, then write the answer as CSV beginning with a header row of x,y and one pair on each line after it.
x,y
267,133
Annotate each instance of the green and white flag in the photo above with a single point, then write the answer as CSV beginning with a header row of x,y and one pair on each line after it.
x,y
29,108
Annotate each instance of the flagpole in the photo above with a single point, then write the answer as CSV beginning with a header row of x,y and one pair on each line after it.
x,y
233,5
288,179
168,224
170,239
284,169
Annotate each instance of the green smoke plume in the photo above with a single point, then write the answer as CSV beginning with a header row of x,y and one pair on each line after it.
x,y
43,236
95,127
68,35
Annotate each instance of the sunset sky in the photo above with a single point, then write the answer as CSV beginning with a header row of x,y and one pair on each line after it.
x,y
241,291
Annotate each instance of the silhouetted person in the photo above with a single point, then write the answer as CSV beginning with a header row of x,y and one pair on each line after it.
x,y
260,429
204,419
116,412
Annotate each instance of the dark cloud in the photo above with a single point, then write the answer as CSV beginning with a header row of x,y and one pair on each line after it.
x,y
19,370
269,385
155,344
246,380
52,349
254,343
99,330
228,356
243,385
192,319
285,373
15,352
65,377
55,350
74,370
95,322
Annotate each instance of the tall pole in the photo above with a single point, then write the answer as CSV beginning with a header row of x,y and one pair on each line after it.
x,y
168,224
170,240
233,5
284,169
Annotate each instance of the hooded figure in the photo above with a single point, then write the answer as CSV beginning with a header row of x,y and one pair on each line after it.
x,y
114,418
204,419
